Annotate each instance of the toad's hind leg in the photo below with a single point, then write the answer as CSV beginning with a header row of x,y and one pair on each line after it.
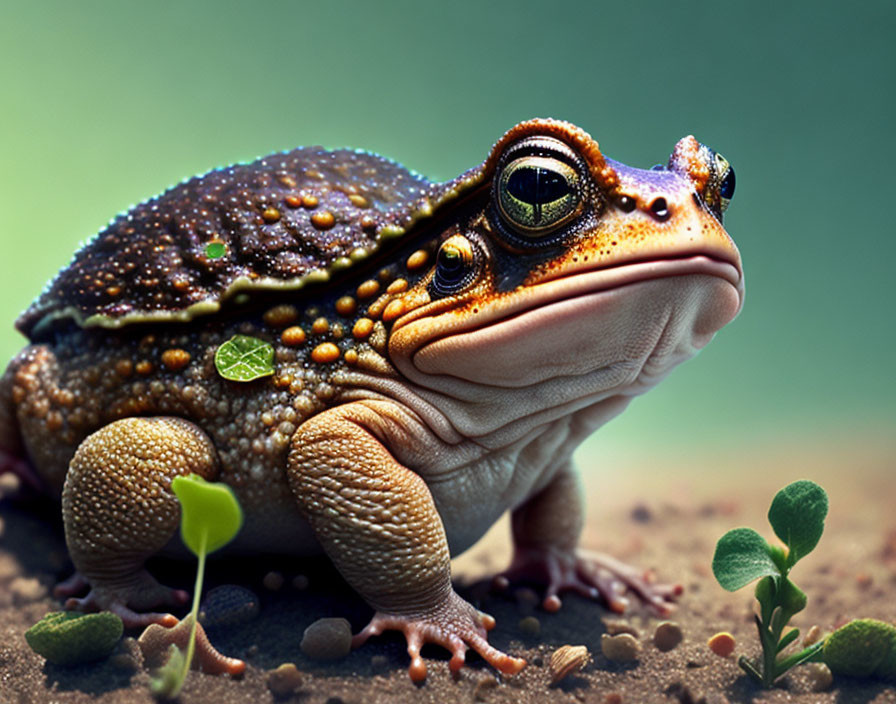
x,y
119,509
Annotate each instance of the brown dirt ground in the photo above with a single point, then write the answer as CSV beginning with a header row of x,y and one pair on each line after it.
x,y
659,513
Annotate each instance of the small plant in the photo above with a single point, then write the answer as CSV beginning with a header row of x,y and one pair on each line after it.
x,y
742,555
70,638
210,518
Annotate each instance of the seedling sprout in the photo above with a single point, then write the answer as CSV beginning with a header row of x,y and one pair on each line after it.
x,y
210,518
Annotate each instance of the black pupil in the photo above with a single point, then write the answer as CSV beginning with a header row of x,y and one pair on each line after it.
x,y
450,262
537,186
726,190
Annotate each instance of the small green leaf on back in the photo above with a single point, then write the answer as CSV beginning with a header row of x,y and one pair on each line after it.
x,y
244,358
862,648
742,555
208,509
797,515
215,250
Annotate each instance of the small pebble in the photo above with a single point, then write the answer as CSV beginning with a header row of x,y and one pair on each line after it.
x,y
615,626
229,605
620,648
327,639
26,589
722,644
300,582
273,581
667,636
566,660
612,698
819,676
285,680
484,684
129,657
642,514
812,636
526,600
529,626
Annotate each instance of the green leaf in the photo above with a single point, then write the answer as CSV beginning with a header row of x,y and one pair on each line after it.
x,y
797,515
210,513
788,638
168,679
742,555
244,358
215,250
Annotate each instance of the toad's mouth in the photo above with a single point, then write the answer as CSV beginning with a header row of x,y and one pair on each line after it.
x,y
555,291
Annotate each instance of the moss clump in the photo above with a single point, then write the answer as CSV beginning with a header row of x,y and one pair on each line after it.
x,y
862,648
71,638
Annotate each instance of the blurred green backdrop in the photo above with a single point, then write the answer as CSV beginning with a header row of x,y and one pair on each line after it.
x,y
105,104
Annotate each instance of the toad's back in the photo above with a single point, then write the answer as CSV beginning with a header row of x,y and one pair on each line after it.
x,y
378,365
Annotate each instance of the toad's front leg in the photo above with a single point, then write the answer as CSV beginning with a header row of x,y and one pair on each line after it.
x,y
376,520
546,532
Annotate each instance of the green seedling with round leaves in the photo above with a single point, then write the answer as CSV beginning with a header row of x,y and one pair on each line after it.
x,y
210,518
244,358
742,556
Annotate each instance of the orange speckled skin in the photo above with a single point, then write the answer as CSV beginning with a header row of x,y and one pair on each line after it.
x,y
436,362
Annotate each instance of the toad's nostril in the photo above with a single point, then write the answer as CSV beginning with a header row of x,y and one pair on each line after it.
x,y
660,209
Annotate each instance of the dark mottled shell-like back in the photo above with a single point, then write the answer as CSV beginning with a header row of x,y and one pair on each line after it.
x,y
285,221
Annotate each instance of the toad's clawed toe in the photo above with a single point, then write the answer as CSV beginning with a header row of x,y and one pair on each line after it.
x,y
592,575
454,624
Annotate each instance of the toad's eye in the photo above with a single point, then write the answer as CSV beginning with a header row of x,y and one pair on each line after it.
x,y
726,181
538,194
455,266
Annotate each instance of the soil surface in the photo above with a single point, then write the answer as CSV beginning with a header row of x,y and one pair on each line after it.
x,y
660,513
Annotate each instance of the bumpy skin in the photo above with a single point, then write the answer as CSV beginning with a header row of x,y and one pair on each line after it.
x,y
440,350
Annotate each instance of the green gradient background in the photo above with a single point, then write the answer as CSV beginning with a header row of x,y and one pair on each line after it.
x,y
105,104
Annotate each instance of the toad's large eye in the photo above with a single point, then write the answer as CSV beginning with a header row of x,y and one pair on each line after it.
x,y
538,194
455,266
726,181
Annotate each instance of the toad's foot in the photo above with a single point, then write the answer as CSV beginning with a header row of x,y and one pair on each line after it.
x,y
130,602
156,641
454,625
593,575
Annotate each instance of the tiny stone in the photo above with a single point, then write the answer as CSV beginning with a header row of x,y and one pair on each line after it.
x,y
694,664
617,626
526,600
568,659
300,581
621,648
667,636
722,644
129,656
483,685
642,514
812,637
612,698
327,639
27,589
229,605
285,680
529,626
378,662
819,676
273,581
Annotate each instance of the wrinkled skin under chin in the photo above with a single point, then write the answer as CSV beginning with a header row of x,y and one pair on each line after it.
x,y
661,319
